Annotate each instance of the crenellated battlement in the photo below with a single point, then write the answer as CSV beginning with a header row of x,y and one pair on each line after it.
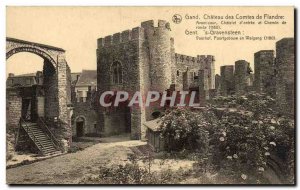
x,y
135,33
199,58
162,24
205,58
121,37
184,58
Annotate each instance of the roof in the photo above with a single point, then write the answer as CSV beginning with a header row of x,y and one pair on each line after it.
x,y
26,75
87,78
74,76
154,124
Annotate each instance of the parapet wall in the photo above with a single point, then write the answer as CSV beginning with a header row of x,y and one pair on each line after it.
x,y
133,34
121,37
197,59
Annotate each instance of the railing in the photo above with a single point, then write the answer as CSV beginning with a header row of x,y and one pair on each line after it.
x,y
42,124
31,135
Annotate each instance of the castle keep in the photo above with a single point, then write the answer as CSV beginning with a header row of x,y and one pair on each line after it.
x,y
144,59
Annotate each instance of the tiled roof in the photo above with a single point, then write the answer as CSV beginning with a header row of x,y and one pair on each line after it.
x,y
87,78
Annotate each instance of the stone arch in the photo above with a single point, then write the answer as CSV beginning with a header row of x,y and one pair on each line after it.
x,y
57,82
34,50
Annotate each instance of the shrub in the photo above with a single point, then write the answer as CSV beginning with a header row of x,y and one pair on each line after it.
x,y
246,138
183,129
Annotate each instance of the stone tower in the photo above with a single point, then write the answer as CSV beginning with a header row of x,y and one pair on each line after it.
x,y
285,63
207,62
264,81
241,76
227,80
134,60
158,42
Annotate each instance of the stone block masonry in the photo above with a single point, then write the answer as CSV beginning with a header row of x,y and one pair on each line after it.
x,y
264,71
13,109
241,76
285,81
227,80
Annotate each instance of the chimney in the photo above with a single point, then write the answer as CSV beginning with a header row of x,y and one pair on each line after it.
x,y
11,75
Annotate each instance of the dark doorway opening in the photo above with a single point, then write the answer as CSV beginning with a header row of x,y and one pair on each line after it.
x,y
80,127
26,109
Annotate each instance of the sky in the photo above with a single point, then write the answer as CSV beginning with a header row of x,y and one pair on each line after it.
x,y
76,29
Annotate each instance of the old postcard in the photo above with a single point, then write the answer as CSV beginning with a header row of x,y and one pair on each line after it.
x,y
150,95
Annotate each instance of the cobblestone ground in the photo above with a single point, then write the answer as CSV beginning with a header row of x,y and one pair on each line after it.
x,y
71,168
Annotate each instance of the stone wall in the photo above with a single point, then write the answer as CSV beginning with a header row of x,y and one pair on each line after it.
x,y
13,109
86,111
125,48
187,68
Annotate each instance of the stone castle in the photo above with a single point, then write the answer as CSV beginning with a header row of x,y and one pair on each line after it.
x,y
61,105
144,59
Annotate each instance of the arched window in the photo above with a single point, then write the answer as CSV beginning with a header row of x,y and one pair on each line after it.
x,y
116,73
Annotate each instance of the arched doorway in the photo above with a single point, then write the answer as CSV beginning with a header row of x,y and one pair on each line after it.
x,y
80,125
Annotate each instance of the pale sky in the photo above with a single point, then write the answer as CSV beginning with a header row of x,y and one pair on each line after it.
x,y
76,29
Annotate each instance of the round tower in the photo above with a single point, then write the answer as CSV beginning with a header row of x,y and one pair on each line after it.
x,y
160,59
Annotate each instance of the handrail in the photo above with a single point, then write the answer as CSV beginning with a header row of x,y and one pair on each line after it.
x,y
52,137
28,130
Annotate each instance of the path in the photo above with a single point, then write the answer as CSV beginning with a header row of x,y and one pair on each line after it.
x,y
70,168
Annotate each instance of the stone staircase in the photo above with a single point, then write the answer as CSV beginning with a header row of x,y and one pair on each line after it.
x,y
42,141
